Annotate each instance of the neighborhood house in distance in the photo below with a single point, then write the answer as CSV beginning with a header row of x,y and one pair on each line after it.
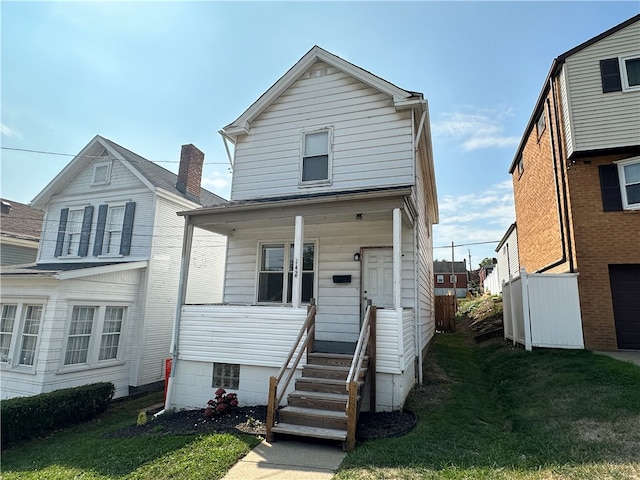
x,y
333,199
576,180
99,302
20,227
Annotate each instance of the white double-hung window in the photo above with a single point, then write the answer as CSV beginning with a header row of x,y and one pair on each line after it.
x,y
275,277
74,230
19,330
94,334
629,175
316,157
113,230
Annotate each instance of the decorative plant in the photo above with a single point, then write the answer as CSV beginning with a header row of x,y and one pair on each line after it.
x,y
223,403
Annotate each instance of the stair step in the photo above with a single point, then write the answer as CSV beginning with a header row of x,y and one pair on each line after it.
x,y
313,417
327,385
323,400
339,359
314,432
328,371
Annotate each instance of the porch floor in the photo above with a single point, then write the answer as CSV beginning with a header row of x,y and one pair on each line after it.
x,y
323,346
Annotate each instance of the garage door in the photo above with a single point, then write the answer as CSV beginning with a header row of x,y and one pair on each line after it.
x,y
625,292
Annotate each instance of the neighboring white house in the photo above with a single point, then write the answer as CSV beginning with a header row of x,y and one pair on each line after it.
x,y
508,265
333,198
99,303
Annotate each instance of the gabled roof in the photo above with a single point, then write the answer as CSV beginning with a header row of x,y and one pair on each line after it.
x,y
445,267
20,221
553,71
150,174
400,96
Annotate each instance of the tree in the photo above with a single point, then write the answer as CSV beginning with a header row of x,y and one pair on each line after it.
x,y
487,262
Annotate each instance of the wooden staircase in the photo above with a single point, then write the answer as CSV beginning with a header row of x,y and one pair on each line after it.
x,y
327,397
318,405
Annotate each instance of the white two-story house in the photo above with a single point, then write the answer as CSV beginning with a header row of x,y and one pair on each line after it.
x,y
333,200
99,303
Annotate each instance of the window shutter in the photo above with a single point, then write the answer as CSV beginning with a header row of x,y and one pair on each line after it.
x,y
83,248
127,228
610,187
102,221
610,74
62,228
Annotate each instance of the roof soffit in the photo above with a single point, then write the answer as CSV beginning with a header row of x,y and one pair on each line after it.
x,y
242,123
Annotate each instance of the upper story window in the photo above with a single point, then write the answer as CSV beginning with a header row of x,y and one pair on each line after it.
x,y
94,334
114,229
101,173
19,330
275,277
439,278
316,157
541,124
74,230
620,74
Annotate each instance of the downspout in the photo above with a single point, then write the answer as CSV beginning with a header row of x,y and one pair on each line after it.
x,y
563,169
416,252
182,291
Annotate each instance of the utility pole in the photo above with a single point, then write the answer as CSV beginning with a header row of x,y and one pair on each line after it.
x,y
455,283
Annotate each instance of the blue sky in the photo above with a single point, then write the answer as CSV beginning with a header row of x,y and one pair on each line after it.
x,y
152,76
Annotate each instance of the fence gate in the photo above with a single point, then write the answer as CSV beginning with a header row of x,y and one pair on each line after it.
x,y
446,306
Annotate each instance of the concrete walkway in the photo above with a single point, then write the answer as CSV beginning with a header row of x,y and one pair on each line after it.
x,y
288,460
624,355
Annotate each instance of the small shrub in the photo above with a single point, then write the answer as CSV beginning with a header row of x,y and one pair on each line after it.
x,y
223,403
142,418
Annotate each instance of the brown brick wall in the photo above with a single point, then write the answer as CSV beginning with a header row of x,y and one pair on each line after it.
x,y
601,238
536,204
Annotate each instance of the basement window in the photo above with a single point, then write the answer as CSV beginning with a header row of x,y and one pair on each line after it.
x,y
226,375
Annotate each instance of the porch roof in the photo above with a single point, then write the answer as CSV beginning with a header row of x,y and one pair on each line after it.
x,y
223,218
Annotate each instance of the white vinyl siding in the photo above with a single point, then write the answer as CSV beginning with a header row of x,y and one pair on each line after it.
x,y
338,304
371,142
602,120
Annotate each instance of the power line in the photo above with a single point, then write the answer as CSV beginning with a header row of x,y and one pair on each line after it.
x,y
43,152
467,244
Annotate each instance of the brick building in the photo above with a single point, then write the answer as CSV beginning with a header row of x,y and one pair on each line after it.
x,y
576,180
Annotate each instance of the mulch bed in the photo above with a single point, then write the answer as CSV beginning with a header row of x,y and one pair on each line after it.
x,y
251,420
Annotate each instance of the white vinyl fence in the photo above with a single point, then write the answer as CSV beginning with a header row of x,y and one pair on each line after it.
x,y
543,310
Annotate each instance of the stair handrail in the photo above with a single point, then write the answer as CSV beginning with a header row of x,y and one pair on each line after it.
x,y
275,398
366,339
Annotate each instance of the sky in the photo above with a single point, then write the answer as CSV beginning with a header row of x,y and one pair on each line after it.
x,y
152,76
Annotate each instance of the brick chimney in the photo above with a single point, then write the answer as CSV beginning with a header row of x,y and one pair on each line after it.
x,y
190,172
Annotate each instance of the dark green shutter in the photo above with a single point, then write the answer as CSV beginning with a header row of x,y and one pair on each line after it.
x,y
610,74
85,233
127,228
62,228
610,188
102,221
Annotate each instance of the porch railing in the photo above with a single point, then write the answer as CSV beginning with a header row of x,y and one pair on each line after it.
x,y
275,398
366,343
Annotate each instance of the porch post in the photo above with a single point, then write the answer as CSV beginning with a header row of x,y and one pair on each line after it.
x,y
297,262
397,259
182,292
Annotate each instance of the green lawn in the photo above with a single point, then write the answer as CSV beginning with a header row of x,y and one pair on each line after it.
x,y
509,414
83,452
489,411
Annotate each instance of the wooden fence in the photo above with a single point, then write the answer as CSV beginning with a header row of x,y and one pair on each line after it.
x,y
446,306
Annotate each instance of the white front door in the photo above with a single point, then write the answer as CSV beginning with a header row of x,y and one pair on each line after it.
x,y
377,277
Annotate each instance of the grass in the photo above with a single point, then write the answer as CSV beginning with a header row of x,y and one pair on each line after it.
x,y
509,414
83,452
488,411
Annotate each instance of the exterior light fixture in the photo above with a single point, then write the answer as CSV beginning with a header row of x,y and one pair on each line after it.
x,y
356,257
358,216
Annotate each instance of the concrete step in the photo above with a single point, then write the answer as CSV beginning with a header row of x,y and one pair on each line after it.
x,y
313,417
321,400
313,432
